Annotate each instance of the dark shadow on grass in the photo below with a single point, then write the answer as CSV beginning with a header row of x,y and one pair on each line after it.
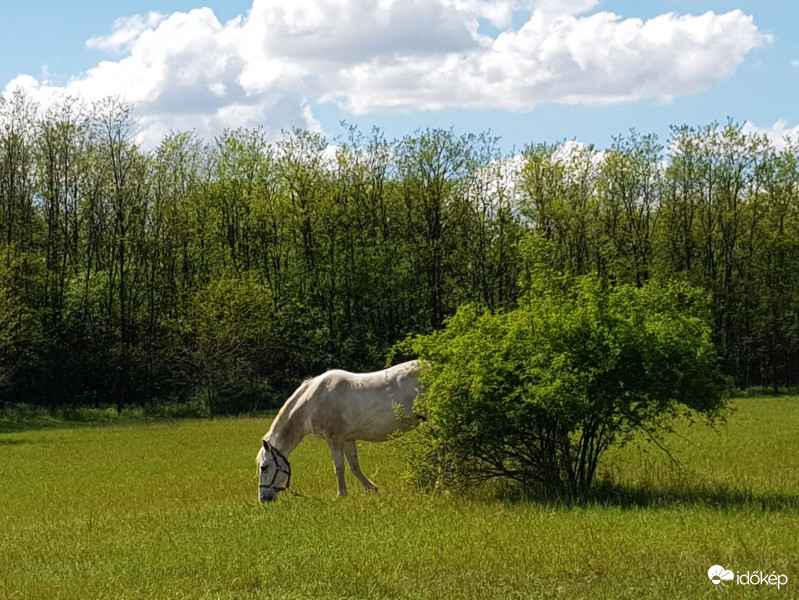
x,y
22,426
608,493
4,442
19,418
719,497
782,392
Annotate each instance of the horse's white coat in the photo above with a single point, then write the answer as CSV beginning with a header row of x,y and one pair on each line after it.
x,y
342,407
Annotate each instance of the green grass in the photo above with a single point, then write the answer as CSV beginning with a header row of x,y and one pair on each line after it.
x,y
169,510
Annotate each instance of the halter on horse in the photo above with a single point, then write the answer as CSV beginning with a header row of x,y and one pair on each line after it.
x,y
277,456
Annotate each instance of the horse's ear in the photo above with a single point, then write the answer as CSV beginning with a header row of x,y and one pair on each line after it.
x,y
266,445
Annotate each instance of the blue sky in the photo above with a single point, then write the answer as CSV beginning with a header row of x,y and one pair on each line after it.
x,y
528,70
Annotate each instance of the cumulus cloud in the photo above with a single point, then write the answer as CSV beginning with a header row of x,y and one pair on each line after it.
x,y
779,134
558,57
125,32
270,66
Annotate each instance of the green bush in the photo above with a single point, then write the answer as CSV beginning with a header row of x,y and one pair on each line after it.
x,y
537,394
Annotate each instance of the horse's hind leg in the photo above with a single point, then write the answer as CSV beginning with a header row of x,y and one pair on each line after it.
x,y
337,451
351,452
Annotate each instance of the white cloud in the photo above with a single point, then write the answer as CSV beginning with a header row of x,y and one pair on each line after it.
x,y
125,32
268,67
562,58
779,134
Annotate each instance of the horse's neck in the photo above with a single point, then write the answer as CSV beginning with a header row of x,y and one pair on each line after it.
x,y
290,426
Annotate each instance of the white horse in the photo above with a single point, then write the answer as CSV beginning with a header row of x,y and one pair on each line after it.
x,y
339,407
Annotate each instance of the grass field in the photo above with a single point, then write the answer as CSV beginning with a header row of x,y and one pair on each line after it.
x,y
169,510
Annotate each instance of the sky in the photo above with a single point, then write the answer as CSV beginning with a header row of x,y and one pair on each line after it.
x,y
528,71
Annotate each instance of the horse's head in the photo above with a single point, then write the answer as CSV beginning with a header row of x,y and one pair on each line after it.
x,y
274,472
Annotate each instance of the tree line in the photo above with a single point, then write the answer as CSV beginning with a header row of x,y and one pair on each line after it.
x,y
226,271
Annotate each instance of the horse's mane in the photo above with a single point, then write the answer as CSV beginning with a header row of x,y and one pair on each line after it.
x,y
287,406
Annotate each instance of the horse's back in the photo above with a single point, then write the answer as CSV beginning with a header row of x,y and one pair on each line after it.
x,y
362,406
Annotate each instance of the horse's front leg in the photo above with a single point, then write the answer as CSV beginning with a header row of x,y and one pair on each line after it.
x,y
351,452
337,452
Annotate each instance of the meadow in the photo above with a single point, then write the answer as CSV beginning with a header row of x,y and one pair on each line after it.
x,y
168,509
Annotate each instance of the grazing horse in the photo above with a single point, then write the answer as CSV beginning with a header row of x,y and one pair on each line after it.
x,y
339,407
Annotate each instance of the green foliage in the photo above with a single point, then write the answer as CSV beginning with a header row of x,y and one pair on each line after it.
x,y
354,243
232,270
228,323
537,394
19,340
